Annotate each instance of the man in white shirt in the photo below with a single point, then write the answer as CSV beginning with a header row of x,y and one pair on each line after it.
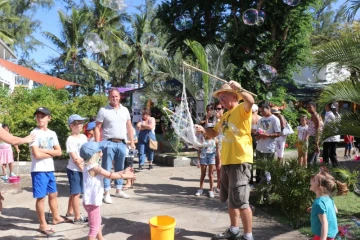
x,y
115,122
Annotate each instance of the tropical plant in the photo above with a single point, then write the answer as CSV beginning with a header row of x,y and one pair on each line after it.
x,y
352,7
70,43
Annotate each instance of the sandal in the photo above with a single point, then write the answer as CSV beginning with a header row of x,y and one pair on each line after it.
x,y
49,232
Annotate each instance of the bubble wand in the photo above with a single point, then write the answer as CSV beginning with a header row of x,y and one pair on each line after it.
x,y
220,79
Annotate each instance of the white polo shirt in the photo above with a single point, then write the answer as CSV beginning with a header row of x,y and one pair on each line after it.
x,y
113,121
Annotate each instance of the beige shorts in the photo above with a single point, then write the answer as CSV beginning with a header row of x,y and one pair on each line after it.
x,y
235,185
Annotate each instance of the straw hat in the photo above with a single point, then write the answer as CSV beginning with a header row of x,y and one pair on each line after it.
x,y
226,88
275,110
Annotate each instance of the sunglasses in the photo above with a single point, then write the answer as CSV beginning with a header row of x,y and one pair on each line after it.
x,y
218,109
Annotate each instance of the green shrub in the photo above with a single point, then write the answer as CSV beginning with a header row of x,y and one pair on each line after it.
x,y
292,139
18,111
288,191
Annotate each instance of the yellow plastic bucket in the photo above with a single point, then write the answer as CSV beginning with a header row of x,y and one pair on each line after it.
x,y
162,228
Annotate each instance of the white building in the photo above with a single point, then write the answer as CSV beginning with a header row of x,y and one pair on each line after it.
x,y
7,78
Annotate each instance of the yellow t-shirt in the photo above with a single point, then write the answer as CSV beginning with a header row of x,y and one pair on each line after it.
x,y
235,126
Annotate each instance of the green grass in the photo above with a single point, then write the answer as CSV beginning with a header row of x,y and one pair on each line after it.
x,y
348,206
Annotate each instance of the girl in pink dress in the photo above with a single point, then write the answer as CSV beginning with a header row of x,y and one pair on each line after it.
x,y
6,156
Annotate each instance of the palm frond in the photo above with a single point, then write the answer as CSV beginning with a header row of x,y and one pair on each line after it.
x,y
6,37
200,54
352,6
345,52
55,40
340,91
94,67
347,124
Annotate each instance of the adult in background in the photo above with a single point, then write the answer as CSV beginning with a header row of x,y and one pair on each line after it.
x,y
254,126
236,157
209,119
281,140
314,128
159,127
219,112
329,144
115,123
268,130
146,129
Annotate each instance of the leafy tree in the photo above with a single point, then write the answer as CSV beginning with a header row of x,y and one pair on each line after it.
x,y
286,48
352,6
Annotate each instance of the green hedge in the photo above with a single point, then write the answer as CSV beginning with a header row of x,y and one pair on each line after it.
x,y
17,110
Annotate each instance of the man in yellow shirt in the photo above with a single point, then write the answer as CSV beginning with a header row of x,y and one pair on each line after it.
x,y
236,157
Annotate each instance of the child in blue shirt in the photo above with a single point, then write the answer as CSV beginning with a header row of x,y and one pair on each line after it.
x,y
323,211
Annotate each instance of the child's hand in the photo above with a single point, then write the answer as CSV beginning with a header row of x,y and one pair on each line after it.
x,y
129,175
309,209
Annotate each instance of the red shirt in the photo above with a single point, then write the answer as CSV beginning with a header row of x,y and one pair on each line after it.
x,y
348,139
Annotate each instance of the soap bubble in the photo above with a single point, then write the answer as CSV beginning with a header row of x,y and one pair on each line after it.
x,y
250,16
114,4
269,95
233,129
188,20
284,178
261,37
249,65
196,9
177,231
267,33
202,154
247,51
200,95
179,23
262,55
195,161
134,72
290,104
203,33
93,43
267,73
292,2
142,98
260,18
149,39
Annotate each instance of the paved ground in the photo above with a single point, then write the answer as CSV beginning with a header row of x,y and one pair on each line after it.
x,y
161,191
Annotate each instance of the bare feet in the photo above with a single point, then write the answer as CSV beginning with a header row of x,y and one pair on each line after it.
x,y
58,220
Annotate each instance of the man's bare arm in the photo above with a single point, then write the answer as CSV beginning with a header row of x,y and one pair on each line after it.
x,y
97,131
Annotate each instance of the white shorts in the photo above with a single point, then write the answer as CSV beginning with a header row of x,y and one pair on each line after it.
x,y
280,146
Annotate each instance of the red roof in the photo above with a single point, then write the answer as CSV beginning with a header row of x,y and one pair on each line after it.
x,y
35,76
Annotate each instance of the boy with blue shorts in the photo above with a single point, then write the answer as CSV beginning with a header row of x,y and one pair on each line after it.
x,y
75,167
43,149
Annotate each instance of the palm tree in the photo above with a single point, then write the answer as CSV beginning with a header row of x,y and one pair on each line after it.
x,y
352,9
345,52
6,20
108,24
137,54
70,43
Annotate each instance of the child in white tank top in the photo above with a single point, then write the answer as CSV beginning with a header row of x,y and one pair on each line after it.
x,y
93,175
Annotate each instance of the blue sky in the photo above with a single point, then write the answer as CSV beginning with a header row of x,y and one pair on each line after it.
x,y
50,23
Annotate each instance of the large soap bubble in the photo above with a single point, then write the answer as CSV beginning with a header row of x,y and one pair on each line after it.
x,y
200,95
93,43
184,21
267,73
250,16
292,2
149,39
114,4
179,23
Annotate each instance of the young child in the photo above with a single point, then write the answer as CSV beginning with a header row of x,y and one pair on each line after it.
x,y
206,156
43,149
349,141
303,142
90,131
7,156
323,210
75,167
93,175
